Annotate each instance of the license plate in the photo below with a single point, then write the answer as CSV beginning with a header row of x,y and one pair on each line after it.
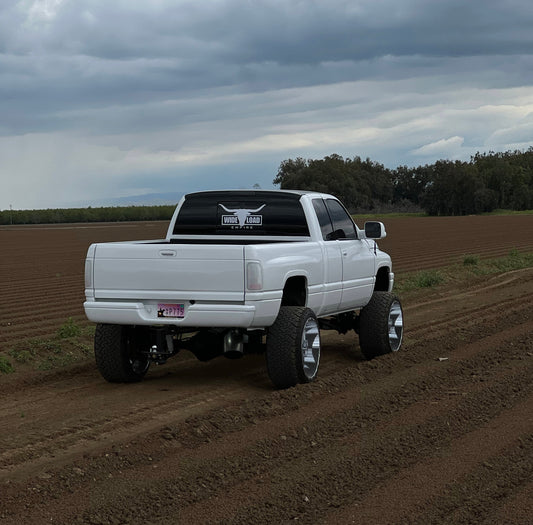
x,y
170,310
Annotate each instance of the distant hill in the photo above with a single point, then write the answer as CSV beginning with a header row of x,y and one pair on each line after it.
x,y
149,199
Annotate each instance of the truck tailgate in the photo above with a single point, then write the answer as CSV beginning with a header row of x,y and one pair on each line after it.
x,y
168,272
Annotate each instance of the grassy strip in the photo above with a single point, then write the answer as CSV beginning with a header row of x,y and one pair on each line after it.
x,y
361,217
5,365
510,212
72,343
74,215
470,267
160,213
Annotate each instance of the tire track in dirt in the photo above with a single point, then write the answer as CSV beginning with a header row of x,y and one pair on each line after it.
x,y
146,414
337,432
18,455
478,495
354,439
265,450
350,419
212,442
453,476
517,509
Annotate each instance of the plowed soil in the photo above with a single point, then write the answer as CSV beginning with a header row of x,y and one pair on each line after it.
x,y
440,432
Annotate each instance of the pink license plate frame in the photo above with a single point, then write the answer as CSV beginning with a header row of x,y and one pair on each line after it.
x,y
171,310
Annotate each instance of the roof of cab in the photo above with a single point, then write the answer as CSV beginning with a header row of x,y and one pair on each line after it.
x,y
259,192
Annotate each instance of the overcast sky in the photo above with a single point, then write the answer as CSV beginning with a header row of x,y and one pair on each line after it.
x,y
103,99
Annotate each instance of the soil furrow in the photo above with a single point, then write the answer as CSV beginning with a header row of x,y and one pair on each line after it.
x,y
368,415
305,475
438,433
453,473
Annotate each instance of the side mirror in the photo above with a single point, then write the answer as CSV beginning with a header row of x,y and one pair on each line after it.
x,y
375,230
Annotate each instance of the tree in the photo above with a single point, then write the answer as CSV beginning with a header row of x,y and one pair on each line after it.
x,y
358,184
410,183
452,189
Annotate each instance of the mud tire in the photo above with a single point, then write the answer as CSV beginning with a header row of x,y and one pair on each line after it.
x,y
293,347
381,325
116,350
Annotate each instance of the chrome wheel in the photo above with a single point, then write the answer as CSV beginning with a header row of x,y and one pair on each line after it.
x,y
293,347
381,325
395,326
310,348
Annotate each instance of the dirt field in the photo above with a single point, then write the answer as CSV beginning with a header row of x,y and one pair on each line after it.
x,y
441,432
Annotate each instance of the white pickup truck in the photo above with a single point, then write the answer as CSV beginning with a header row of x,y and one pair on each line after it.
x,y
243,271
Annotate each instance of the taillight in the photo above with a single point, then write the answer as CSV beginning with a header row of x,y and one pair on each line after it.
x,y
88,273
254,276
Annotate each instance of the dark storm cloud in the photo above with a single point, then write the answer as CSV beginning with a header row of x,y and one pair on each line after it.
x,y
140,50
239,31
138,87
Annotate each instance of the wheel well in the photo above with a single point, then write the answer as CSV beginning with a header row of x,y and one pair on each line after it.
x,y
295,292
382,280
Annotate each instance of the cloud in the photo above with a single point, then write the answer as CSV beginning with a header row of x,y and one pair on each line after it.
x,y
270,30
42,10
516,136
97,95
446,148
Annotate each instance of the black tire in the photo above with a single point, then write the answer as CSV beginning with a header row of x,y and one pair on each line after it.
x,y
116,350
293,347
381,325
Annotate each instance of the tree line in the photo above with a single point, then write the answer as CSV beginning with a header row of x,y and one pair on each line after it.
x,y
98,214
487,182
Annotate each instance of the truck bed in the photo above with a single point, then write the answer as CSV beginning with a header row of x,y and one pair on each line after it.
x,y
168,271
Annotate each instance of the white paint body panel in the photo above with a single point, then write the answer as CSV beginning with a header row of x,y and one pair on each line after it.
x,y
168,272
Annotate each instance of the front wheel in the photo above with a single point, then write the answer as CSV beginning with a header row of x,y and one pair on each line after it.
x,y
381,325
117,353
293,347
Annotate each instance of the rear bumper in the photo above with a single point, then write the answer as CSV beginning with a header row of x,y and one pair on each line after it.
x,y
256,315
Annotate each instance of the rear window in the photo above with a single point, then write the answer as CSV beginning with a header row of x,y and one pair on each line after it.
x,y
241,213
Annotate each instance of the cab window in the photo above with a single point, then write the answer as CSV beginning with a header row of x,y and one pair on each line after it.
x,y
323,219
343,226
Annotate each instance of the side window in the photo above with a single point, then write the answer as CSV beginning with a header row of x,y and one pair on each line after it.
x,y
342,223
323,219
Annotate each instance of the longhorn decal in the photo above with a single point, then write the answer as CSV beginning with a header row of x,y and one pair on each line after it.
x,y
242,217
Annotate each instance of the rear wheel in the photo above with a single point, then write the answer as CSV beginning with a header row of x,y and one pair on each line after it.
x,y
117,353
381,325
293,347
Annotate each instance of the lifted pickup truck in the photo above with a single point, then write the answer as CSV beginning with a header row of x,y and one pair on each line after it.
x,y
238,272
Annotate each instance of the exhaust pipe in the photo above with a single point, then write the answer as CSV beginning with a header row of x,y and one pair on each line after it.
x,y
233,344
